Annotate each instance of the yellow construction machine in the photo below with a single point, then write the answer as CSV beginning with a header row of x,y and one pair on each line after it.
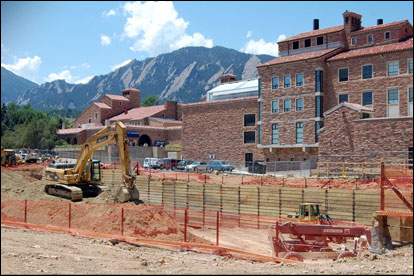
x,y
9,157
310,212
84,177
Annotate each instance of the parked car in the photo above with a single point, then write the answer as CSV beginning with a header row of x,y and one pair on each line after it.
x,y
169,164
219,165
202,166
153,163
181,165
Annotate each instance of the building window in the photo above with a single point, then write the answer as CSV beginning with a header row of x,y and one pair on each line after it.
x,y
286,81
249,137
275,83
249,119
89,120
343,74
275,134
367,71
387,35
393,96
286,105
120,103
299,133
96,115
275,106
370,38
354,41
367,98
318,106
260,112
299,104
393,108
319,40
410,66
343,98
393,68
307,42
299,79
319,81
295,45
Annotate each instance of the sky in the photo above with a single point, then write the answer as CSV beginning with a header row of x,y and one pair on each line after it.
x,y
76,40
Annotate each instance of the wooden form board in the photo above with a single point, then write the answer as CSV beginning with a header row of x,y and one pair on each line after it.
x,y
340,204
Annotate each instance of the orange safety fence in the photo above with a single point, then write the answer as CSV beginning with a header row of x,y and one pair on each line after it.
x,y
396,194
243,236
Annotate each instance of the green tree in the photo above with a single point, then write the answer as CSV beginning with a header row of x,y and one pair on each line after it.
x,y
150,100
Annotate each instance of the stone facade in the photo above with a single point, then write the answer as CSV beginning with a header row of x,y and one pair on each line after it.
x,y
217,129
346,134
108,106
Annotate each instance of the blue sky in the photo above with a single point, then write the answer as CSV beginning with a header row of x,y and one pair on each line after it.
x,y
44,41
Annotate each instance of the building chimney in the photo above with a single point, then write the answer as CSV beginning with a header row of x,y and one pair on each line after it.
x,y
379,21
227,78
316,24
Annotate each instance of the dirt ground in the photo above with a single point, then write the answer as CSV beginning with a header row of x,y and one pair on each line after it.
x,y
30,252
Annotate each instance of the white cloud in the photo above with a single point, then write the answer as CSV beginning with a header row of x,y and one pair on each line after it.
x,y
261,47
105,40
64,75
109,13
85,65
249,34
84,80
156,28
25,67
121,64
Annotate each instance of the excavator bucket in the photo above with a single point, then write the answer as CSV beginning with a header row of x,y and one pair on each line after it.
x,y
123,194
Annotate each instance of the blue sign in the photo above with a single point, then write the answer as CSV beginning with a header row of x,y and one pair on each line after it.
x,y
159,143
133,134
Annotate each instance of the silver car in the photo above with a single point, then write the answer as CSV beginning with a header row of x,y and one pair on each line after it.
x,y
202,166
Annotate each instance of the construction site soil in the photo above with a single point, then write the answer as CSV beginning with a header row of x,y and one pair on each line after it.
x,y
36,252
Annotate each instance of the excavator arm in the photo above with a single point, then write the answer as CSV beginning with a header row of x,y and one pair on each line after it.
x,y
79,176
99,139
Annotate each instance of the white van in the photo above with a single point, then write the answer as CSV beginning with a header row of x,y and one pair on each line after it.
x,y
153,163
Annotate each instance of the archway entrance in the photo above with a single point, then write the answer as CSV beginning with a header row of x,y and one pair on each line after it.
x,y
144,139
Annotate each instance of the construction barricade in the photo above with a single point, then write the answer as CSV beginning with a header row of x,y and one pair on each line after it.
x,y
216,232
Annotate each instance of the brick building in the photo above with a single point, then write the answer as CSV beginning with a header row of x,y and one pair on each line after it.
x,y
152,126
300,112
320,69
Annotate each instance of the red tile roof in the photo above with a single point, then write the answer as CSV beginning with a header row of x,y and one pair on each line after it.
x,y
116,97
219,101
394,47
298,57
315,33
139,113
102,105
381,26
354,106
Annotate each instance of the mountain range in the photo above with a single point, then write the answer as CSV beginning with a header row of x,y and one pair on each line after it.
x,y
184,75
12,86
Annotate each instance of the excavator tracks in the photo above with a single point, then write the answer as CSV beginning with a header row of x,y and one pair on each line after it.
x,y
64,191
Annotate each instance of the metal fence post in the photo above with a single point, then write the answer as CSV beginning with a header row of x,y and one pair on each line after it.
x,y
217,226
239,204
185,225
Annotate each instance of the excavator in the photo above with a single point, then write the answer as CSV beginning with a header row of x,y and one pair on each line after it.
x,y
84,177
